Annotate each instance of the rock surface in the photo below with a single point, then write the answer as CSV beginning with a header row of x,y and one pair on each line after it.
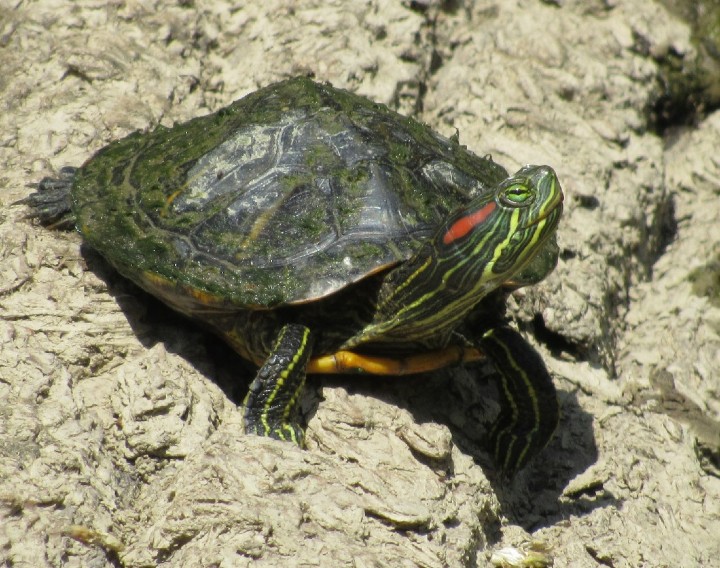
x,y
120,434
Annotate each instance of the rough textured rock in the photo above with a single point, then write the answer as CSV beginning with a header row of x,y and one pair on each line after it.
x,y
119,431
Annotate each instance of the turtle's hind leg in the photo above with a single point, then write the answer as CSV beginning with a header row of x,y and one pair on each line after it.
x,y
50,204
271,403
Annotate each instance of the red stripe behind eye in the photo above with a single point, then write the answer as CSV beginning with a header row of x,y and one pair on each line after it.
x,y
464,225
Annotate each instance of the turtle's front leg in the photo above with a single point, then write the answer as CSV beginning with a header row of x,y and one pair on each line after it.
x,y
271,403
529,411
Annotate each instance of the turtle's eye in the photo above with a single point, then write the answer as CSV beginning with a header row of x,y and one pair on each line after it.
x,y
517,194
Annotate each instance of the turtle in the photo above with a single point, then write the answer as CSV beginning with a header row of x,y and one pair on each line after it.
x,y
318,232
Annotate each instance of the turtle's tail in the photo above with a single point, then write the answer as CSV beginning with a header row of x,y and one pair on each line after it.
x,y
50,204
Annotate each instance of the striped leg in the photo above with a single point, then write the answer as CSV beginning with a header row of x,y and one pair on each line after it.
x,y
529,410
271,403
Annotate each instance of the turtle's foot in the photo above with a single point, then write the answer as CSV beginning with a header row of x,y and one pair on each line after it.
x,y
271,403
50,204
285,431
515,441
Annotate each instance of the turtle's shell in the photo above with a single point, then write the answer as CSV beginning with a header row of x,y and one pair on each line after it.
x,y
285,196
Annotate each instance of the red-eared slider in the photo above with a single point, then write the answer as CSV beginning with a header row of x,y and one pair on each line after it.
x,y
316,231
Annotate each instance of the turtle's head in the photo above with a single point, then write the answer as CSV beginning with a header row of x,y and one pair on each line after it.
x,y
491,242
497,236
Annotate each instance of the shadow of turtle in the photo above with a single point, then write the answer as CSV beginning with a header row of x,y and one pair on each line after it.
x,y
466,401
153,322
